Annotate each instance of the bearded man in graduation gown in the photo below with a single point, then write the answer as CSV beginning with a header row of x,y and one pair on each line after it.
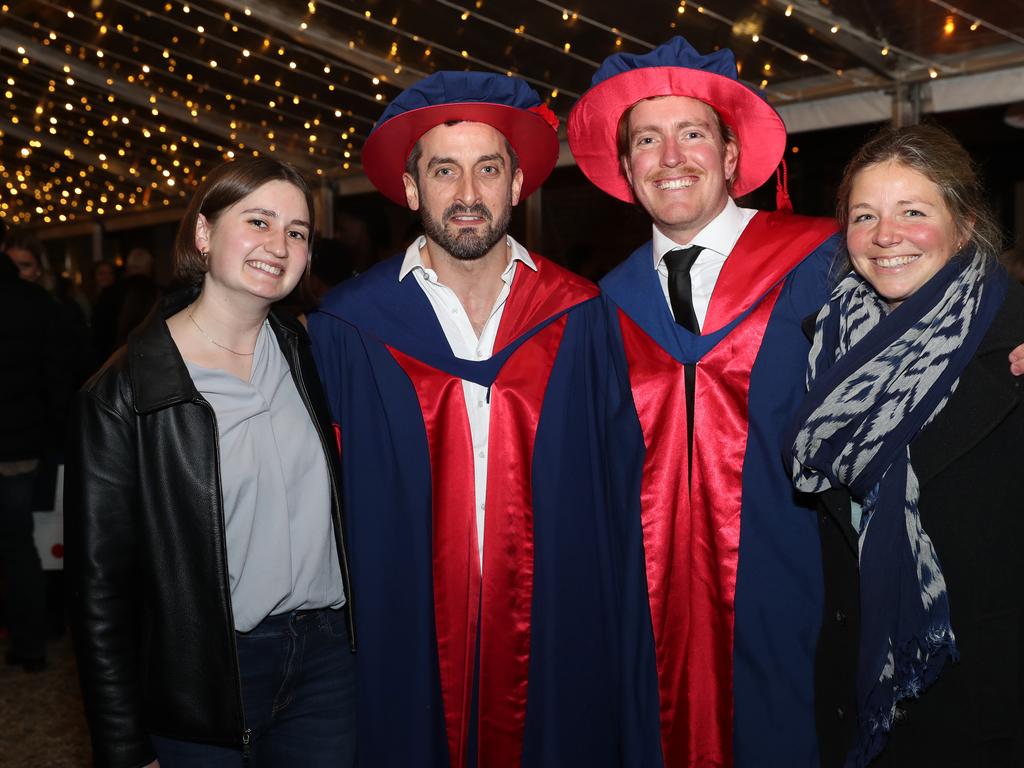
x,y
465,377
706,322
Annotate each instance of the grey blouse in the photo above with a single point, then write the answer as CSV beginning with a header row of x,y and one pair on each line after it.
x,y
277,505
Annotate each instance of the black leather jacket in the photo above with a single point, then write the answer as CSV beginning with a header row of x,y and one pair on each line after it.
x,y
146,552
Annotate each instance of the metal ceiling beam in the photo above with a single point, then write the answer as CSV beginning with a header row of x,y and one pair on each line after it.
x,y
822,87
139,96
861,45
1009,56
86,224
370,63
992,59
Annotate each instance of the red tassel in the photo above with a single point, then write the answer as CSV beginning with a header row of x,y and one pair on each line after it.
x,y
782,201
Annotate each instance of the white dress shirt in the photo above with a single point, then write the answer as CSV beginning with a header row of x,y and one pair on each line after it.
x,y
717,239
466,345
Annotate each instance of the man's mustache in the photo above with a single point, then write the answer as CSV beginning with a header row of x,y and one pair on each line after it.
x,y
478,209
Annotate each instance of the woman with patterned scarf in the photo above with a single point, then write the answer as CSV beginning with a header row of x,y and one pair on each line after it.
x,y
911,436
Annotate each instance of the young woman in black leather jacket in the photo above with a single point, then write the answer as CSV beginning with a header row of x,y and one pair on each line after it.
x,y
204,546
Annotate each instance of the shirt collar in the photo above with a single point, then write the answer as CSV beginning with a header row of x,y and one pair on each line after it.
x,y
414,259
719,235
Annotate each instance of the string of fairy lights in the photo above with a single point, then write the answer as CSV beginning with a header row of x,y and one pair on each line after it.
x,y
152,98
460,56
126,105
975,22
275,106
26,195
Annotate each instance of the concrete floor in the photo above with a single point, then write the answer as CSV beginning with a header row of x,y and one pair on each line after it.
x,y
41,719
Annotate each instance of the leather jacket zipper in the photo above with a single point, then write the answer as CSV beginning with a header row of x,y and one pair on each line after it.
x,y
246,732
338,534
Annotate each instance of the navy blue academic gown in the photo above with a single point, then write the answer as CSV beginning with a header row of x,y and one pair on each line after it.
x,y
517,665
733,583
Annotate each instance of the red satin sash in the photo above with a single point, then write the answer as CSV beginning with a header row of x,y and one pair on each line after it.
x,y
691,529
516,400
499,600
456,563
770,246
536,296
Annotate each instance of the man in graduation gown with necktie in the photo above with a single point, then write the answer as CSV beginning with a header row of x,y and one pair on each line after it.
x,y
465,376
706,324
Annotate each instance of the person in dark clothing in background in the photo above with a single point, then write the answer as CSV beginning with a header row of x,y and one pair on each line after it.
x,y
103,277
27,254
140,293
75,333
124,305
330,263
103,322
33,394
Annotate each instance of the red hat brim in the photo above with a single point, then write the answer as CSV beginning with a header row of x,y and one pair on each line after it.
x,y
594,123
388,147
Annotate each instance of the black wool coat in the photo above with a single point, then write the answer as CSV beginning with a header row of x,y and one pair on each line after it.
x,y
970,464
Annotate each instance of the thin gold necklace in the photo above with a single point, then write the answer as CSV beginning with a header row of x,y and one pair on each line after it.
x,y
212,340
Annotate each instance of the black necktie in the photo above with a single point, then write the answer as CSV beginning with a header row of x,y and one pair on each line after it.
x,y
680,292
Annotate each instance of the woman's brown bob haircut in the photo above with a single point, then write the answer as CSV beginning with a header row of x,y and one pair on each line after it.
x,y
224,186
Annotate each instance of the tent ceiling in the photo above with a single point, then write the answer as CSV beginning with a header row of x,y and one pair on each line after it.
x,y
111,106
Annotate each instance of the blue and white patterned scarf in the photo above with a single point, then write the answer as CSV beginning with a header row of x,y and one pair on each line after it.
x,y
875,378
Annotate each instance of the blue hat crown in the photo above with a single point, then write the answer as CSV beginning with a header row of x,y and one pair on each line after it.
x,y
675,53
460,88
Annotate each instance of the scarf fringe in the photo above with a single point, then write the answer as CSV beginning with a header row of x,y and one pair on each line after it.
x,y
916,667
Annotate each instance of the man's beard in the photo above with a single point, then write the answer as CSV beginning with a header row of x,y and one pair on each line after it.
x,y
467,244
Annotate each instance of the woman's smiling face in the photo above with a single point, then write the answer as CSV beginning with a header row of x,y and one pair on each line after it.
x,y
900,232
260,245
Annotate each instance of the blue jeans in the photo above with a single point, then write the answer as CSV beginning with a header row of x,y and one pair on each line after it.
x,y
23,573
298,694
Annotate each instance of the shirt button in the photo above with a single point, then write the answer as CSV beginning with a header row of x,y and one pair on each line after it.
x,y
840,713
454,311
479,403
482,454
481,506
840,616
